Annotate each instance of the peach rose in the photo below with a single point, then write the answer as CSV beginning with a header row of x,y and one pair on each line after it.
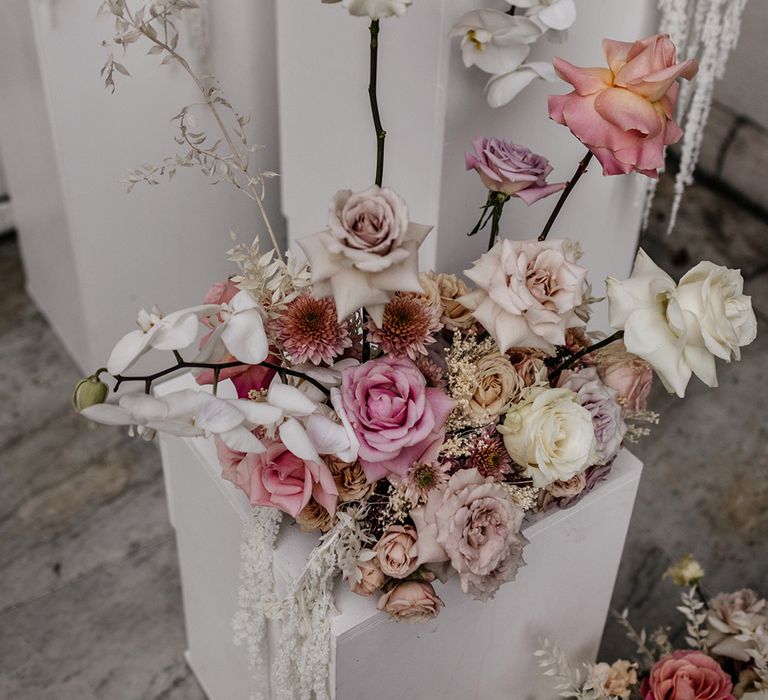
x,y
496,384
456,316
396,551
368,576
411,601
629,376
624,113
687,675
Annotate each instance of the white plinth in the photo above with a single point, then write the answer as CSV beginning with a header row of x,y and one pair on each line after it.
x,y
472,650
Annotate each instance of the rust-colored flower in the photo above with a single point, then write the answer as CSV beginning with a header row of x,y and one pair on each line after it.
x,y
314,518
350,479
309,331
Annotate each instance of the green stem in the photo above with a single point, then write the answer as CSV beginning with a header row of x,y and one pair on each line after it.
x,y
498,209
566,192
573,359
381,135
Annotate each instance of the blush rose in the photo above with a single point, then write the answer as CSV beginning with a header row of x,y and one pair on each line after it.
x,y
687,675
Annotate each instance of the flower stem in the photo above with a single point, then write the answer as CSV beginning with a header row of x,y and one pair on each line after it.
x,y
380,133
573,359
216,367
567,191
498,208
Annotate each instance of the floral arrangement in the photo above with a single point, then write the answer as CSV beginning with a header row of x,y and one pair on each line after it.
x,y
726,656
411,418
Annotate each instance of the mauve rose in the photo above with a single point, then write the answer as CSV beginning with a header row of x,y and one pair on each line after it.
x,y
397,552
473,523
730,615
369,228
629,376
368,578
687,675
511,169
278,478
397,419
411,601
528,292
560,497
624,114
601,402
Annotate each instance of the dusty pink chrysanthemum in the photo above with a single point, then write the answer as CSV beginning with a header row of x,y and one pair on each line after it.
x,y
407,327
308,331
489,456
422,478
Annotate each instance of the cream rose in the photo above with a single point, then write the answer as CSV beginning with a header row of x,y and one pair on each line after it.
x,y
550,435
680,329
528,293
496,384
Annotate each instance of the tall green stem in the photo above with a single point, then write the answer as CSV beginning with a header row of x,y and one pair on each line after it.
x,y
567,191
381,135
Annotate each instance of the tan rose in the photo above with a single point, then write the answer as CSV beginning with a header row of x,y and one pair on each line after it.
x,y
528,363
430,297
411,601
496,384
397,552
566,489
368,576
350,480
313,518
618,679
456,316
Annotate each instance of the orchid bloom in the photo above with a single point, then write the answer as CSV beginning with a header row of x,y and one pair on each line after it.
x,y
494,41
175,331
557,15
188,413
503,88
239,328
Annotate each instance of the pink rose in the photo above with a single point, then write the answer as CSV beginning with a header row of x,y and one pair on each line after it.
x,y
687,675
624,114
626,374
511,169
528,293
397,419
397,551
411,601
221,292
278,478
368,578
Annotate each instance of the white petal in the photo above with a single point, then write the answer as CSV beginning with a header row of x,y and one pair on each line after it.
x,y
290,399
258,412
177,334
177,428
243,301
329,438
244,337
295,438
217,416
502,89
241,439
128,349
144,407
107,414
560,16
183,404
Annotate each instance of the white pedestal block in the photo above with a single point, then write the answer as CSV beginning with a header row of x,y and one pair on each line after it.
x,y
432,108
472,650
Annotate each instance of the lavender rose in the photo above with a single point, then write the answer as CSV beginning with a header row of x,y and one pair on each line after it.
x,y
602,404
411,601
398,420
473,523
511,169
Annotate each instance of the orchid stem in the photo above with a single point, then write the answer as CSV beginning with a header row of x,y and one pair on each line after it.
x,y
567,191
573,359
381,134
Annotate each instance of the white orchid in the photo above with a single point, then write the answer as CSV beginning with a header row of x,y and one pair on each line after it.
x,y
375,9
239,328
679,329
557,15
494,41
175,331
502,89
188,413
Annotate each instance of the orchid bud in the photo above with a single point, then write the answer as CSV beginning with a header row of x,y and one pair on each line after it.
x,y
89,392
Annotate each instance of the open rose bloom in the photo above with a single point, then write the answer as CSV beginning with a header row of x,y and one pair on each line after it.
x,y
624,113
411,420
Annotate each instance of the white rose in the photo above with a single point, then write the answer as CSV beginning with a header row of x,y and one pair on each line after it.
x,y
550,435
375,9
678,330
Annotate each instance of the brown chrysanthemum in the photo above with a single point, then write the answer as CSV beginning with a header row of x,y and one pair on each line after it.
x,y
308,331
407,327
422,478
489,456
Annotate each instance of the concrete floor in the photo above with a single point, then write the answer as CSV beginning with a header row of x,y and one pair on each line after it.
x,y
90,604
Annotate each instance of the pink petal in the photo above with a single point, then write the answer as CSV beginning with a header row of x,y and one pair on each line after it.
x,y
585,81
533,194
628,111
616,53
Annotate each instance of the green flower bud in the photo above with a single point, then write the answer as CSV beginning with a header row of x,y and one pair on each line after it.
x,y
89,392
